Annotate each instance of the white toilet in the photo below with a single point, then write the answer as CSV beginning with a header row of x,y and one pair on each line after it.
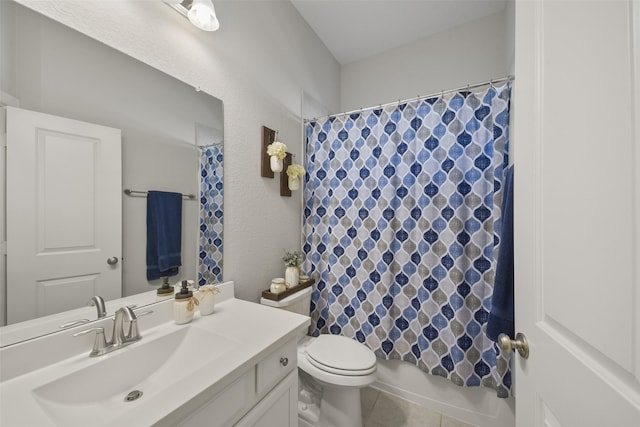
x,y
336,366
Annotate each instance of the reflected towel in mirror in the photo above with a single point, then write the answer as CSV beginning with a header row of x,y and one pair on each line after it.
x,y
164,234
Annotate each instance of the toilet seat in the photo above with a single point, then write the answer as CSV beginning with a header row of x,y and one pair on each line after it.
x,y
326,378
341,356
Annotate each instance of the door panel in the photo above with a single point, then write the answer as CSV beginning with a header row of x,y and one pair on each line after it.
x,y
64,210
53,294
59,187
589,125
576,199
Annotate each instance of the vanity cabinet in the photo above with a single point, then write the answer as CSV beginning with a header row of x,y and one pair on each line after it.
x,y
265,395
237,367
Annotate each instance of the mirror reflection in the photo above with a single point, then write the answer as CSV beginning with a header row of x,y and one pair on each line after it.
x,y
168,132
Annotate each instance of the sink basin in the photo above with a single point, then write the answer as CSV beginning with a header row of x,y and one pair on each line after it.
x,y
98,391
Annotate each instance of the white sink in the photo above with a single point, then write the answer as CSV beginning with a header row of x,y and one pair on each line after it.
x,y
52,381
99,390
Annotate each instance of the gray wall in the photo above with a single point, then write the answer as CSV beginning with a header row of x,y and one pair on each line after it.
x,y
468,54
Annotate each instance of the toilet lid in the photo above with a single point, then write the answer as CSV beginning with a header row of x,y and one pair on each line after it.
x,y
341,355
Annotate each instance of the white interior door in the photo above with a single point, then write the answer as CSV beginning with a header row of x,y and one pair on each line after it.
x,y
577,212
64,213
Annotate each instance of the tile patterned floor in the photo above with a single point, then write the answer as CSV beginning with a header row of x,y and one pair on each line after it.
x,y
380,409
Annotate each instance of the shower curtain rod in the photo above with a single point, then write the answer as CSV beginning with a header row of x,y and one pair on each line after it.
x,y
213,144
402,101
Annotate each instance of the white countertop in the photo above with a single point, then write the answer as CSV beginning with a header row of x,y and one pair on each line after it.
x,y
254,329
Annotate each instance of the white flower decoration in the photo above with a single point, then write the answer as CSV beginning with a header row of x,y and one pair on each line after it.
x,y
277,149
295,171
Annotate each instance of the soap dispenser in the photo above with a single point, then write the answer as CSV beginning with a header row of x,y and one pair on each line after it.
x,y
184,305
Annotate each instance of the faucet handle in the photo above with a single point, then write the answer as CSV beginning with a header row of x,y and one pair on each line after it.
x,y
99,344
134,333
74,323
144,313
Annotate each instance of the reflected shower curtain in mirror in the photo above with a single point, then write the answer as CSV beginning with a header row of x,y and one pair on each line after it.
x,y
401,227
211,198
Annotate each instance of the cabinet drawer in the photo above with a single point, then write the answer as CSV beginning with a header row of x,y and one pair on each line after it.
x,y
275,366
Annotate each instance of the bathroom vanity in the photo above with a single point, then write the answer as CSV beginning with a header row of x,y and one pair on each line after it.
x,y
234,367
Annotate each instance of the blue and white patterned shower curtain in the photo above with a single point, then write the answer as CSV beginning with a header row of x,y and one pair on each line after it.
x,y
401,226
211,198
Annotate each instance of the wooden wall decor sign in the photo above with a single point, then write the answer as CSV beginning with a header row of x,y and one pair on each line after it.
x,y
268,137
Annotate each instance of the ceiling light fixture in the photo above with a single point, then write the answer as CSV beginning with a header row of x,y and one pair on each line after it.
x,y
200,12
203,15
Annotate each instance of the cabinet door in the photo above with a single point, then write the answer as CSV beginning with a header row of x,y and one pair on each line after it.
x,y
278,408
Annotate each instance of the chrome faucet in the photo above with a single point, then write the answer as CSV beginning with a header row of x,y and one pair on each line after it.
x,y
98,302
119,338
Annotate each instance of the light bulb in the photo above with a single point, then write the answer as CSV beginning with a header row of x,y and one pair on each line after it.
x,y
203,15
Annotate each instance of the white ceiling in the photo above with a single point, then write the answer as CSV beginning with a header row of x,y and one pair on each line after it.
x,y
355,29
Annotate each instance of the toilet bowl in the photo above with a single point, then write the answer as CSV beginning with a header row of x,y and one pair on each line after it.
x,y
336,365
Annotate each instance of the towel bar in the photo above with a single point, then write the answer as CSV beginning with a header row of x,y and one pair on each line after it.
x,y
132,193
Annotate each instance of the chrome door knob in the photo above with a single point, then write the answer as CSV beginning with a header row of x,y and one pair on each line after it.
x,y
520,343
112,261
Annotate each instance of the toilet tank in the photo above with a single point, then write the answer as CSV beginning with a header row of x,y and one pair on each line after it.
x,y
299,302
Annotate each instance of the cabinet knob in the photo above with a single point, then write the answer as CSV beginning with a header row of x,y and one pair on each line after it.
x,y
284,361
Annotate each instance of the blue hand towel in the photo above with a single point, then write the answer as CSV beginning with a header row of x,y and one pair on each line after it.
x,y
164,234
501,318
